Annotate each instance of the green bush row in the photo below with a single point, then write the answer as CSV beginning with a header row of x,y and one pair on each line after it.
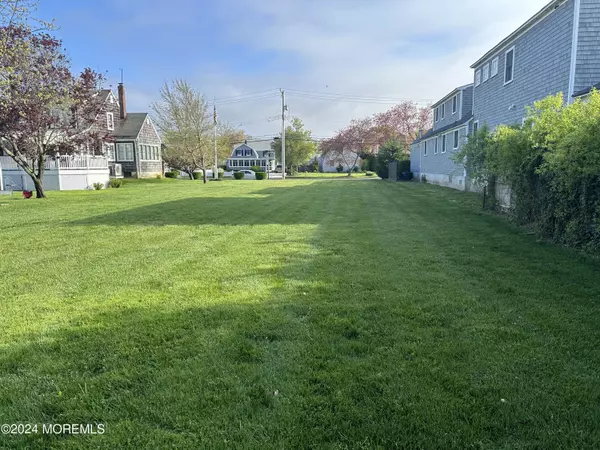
x,y
551,164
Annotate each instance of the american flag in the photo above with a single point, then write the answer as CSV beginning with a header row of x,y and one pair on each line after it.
x,y
215,114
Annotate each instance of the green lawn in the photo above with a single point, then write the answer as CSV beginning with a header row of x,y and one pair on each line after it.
x,y
298,314
327,175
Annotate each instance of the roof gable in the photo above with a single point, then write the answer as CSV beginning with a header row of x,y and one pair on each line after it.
x,y
130,127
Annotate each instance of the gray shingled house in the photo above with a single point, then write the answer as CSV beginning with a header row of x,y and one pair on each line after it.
x,y
137,144
431,154
557,50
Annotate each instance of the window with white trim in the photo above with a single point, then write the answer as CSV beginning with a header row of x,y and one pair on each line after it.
x,y
124,152
475,127
443,110
456,138
437,114
436,148
455,104
444,143
495,62
509,65
425,149
110,151
110,121
477,77
486,72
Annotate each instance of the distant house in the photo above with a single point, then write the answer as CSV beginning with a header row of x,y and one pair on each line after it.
x,y
244,157
431,154
137,147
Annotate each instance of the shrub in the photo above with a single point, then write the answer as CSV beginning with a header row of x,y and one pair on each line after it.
x,y
172,174
261,175
355,169
256,169
115,183
340,168
98,186
220,174
238,175
198,175
370,174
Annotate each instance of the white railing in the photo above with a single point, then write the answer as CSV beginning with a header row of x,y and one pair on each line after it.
x,y
76,162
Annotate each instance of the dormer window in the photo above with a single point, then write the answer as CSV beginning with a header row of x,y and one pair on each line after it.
x,y
455,104
110,121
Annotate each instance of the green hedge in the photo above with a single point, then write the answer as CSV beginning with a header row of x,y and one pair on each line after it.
x,y
172,174
261,175
238,175
551,166
198,175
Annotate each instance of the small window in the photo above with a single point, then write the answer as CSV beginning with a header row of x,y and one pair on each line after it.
x,y
494,67
437,114
456,136
110,151
455,104
110,121
477,77
486,72
436,148
443,111
425,149
238,153
509,66
444,144
475,127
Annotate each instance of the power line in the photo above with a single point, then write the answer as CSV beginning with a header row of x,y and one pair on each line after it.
x,y
245,95
246,99
350,100
356,97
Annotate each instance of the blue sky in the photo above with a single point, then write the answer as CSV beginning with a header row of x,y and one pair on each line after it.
x,y
418,49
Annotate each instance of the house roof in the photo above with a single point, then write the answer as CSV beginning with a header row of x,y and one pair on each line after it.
x,y
549,8
432,133
455,91
586,90
130,127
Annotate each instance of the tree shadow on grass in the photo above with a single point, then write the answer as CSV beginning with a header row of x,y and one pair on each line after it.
x,y
283,205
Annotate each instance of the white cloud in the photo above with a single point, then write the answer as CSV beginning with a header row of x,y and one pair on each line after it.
x,y
419,49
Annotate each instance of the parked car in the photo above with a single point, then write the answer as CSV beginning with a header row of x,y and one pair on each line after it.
x,y
250,173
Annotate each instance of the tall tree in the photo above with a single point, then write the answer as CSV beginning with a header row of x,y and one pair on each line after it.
x,y
183,118
227,137
299,145
403,123
357,140
44,108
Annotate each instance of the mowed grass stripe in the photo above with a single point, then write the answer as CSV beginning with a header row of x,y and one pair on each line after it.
x,y
297,314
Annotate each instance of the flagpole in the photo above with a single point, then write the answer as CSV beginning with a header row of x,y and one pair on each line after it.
x,y
215,168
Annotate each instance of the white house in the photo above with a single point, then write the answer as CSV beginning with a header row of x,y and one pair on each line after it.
x,y
244,157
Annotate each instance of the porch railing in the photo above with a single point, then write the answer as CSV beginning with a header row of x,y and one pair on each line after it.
x,y
77,162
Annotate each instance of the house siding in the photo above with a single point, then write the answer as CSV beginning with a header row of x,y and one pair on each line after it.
x,y
449,117
588,50
439,169
541,67
467,105
149,136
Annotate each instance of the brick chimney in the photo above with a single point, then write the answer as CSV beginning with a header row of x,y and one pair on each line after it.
x,y
122,102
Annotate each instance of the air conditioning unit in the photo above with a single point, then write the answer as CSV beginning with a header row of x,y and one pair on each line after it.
x,y
115,170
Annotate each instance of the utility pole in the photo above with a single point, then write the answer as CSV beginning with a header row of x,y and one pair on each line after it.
x,y
283,108
215,167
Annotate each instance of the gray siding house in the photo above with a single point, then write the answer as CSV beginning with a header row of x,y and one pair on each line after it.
x,y
137,144
557,50
244,157
431,154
